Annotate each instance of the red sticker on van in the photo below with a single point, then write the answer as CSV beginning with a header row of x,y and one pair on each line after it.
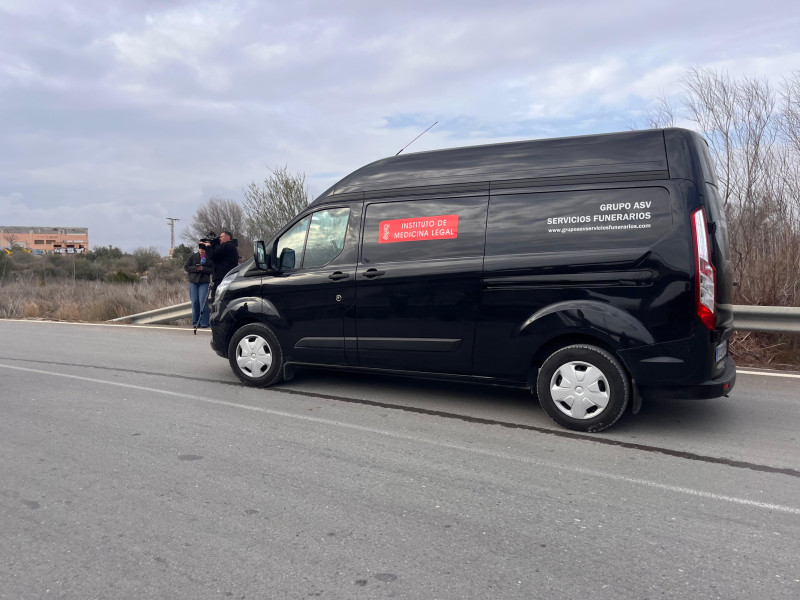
x,y
437,227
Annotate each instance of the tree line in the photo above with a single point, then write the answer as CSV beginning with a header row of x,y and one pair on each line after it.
x,y
266,208
753,131
105,263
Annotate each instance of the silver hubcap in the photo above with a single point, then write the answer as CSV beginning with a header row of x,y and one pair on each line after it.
x,y
253,356
580,390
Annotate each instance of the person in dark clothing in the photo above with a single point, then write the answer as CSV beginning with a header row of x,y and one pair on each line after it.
x,y
199,267
224,255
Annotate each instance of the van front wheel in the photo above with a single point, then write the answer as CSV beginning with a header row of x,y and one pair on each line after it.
x,y
583,387
255,355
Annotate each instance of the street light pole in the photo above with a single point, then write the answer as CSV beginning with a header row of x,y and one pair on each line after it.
x,y
171,234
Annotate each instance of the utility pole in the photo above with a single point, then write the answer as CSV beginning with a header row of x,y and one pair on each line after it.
x,y
171,234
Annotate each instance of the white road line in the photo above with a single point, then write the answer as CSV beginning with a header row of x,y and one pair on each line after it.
x,y
560,467
767,373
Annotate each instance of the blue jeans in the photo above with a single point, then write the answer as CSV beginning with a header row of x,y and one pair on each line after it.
x,y
197,294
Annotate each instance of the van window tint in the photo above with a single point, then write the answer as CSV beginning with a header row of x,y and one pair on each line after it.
x,y
424,229
578,220
325,236
316,239
295,239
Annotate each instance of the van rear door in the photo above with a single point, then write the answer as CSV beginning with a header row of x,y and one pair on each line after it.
x,y
689,158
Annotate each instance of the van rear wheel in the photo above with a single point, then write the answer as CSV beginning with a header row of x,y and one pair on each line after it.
x,y
583,387
255,355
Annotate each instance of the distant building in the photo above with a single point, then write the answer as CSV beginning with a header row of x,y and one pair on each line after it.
x,y
58,240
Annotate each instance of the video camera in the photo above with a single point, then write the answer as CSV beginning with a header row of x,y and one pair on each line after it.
x,y
210,239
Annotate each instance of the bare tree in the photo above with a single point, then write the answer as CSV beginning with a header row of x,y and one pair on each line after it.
x,y
754,141
270,207
218,214
790,110
11,240
753,132
664,112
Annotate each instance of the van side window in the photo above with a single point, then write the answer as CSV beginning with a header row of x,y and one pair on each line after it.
x,y
295,239
579,220
317,239
413,230
325,236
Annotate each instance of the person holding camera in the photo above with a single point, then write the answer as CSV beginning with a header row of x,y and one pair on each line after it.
x,y
199,267
224,254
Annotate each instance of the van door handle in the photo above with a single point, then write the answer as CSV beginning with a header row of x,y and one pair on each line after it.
x,y
338,275
370,273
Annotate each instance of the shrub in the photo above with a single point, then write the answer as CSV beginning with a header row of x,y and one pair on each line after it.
x,y
121,277
92,301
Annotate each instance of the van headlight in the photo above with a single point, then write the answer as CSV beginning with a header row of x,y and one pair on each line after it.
x,y
223,285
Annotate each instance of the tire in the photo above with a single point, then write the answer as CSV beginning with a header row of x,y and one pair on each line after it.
x,y
583,388
255,355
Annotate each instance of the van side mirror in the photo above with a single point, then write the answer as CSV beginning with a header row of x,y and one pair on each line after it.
x,y
260,255
286,259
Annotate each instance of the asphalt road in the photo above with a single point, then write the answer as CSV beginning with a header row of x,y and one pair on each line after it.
x,y
134,465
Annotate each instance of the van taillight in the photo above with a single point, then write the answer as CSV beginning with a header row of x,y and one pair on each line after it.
x,y
705,277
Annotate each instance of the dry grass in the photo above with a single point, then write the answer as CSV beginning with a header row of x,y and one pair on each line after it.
x,y
769,276
769,350
87,301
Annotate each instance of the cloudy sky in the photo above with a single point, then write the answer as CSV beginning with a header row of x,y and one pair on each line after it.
x,y
117,115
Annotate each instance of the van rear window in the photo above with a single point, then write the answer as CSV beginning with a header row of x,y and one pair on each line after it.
x,y
577,220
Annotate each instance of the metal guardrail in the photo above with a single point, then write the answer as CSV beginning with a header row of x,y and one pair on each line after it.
x,y
160,315
771,319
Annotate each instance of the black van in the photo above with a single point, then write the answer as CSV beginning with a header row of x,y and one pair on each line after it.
x,y
593,269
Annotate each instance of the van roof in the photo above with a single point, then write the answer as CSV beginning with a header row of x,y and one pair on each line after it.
x,y
632,154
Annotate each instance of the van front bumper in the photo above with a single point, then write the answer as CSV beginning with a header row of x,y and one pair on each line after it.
x,y
219,336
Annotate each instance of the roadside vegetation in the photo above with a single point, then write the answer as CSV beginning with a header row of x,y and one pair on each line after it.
x,y
753,131
266,207
107,283
94,287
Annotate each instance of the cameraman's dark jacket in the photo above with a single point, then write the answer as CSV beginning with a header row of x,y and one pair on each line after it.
x,y
196,276
224,257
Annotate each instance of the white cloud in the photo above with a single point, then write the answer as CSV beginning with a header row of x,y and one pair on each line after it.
x,y
184,34
664,79
266,54
10,202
